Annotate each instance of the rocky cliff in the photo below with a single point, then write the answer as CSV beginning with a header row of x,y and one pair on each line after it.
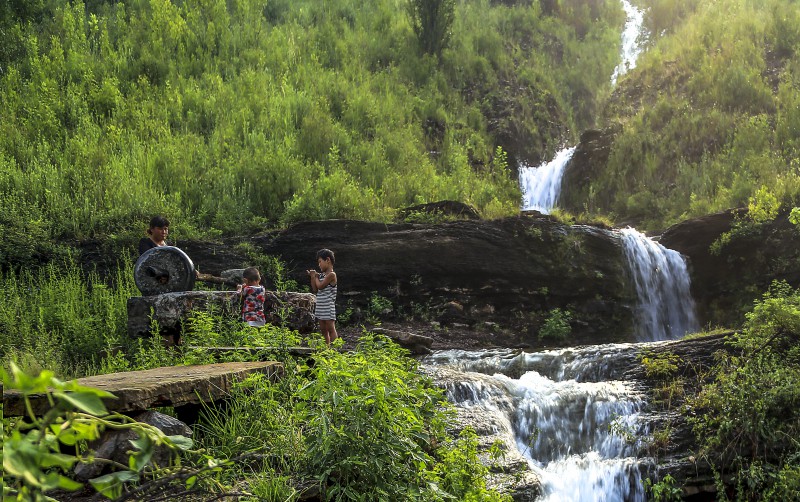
x,y
503,276
746,259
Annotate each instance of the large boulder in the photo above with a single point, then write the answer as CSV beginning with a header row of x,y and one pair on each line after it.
x,y
115,444
727,277
510,272
588,163
170,310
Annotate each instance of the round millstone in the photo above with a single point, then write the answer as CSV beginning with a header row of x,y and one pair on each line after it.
x,y
164,269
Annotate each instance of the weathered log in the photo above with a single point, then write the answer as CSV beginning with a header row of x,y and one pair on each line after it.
x,y
169,386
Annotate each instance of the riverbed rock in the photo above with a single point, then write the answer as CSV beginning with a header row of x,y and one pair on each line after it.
x,y
511,272
509,472
416,344
677,457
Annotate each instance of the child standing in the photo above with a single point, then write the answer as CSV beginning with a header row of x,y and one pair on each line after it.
x,y
252,297
324,285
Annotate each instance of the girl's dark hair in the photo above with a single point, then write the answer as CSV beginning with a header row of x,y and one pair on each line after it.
x,y
251,274
325,254
159,221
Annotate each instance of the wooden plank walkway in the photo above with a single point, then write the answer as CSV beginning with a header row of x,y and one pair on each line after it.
x,y
175,386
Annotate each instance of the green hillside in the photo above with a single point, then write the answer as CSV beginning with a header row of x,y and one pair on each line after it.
x,y
235,115
710,117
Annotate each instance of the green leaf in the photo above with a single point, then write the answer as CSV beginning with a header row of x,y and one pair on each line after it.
x,y
146,448
68,484
87,402
57,460
181,442
110,485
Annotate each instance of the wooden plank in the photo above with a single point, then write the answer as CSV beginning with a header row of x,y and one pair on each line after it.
x,y
168,386
294,351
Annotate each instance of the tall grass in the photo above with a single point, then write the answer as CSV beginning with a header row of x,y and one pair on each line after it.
x,y
234,115
55,318
710,115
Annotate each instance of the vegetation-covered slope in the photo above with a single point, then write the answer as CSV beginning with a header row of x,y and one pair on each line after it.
x,y
229,115
710,116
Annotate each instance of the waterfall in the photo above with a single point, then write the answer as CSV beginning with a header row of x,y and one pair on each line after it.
x,y
541,185
666,309
560,406
630,41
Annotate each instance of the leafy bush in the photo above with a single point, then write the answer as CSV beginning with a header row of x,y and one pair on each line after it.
x,y
746,418
364,425
556,327
705,117
33,461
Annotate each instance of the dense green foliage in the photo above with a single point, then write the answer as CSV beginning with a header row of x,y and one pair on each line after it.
x,y
232,115
56,319
361,425
747,418
710,116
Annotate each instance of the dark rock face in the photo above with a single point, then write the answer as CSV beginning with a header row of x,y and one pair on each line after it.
x,y
724,285
587,163
511,272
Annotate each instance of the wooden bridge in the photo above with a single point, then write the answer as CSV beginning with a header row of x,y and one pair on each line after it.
x,y
182,387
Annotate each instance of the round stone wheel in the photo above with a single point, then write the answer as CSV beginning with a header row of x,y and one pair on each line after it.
x,y
164,269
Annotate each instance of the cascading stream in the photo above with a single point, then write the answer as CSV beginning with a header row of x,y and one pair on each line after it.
x,y
542,185
559,406
631,48
665,309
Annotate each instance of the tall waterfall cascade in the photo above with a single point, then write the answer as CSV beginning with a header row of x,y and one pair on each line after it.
x,y
542,185
565,410
631,46
665,309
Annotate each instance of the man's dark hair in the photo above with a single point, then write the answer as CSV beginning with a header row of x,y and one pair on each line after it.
x,y
251,274
159,221
325,254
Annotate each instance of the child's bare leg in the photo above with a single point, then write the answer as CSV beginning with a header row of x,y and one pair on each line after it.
x,y
325,329
332,330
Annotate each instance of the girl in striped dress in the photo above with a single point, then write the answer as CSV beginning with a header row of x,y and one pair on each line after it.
x,y
323,283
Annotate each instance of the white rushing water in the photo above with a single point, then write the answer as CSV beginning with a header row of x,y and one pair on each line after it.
x,y
631,46
541,185
560,405
665,310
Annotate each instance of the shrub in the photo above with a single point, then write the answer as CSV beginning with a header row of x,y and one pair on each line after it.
x,y
556,327
746,418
